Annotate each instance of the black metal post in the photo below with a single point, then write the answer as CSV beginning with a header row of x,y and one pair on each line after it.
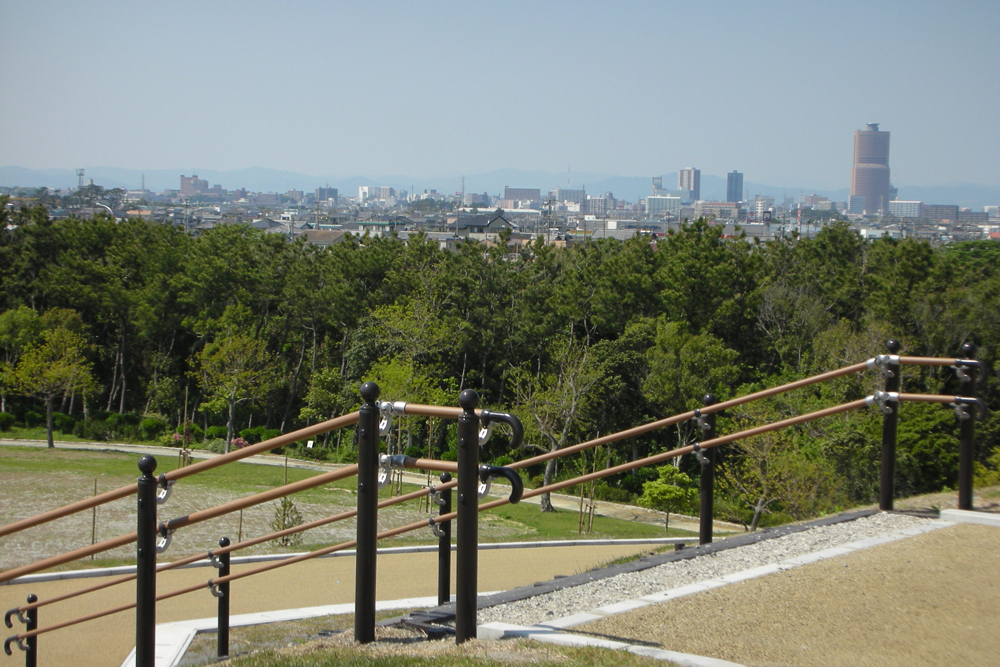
x,y
467,547
145,562
707,510
444,546
222,642
887,474
367,551
967,435
31,656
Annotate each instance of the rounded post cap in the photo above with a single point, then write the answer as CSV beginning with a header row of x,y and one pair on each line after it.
x,y
709,399
147,464
370,392
468,399
445,477
224,542
894,346
32,598
969,350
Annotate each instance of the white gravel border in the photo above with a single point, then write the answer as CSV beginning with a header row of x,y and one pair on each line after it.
x,y
596,599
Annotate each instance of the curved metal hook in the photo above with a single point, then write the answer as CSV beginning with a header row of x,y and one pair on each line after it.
x,y
166,488
438,530
484,485
516,485
978,402
214,560
436,496
11,612
962,365
16,638
517,429
166,536
215,590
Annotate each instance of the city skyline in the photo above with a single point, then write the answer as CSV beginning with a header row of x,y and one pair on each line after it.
x,y
386,88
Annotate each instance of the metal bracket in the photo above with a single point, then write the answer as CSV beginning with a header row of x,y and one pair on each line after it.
x,y
214,560
702,422
384,470
385,424
963,403
214,590
166,536
166,488
485,432
881,399
698,454
484,486
963,366
436,496
882,362
438,530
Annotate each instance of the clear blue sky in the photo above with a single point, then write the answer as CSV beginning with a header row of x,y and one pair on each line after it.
x,y
774,89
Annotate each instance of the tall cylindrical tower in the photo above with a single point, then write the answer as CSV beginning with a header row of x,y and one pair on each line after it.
x,y
870,175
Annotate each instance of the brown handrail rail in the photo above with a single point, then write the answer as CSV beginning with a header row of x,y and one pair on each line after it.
x,y
452,412
180,522
555,486
173,475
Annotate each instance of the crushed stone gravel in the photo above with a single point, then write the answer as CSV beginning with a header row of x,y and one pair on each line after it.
x,y
680,573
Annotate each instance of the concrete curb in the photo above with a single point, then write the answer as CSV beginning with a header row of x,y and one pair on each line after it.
x,y
173,639
504,630
971,516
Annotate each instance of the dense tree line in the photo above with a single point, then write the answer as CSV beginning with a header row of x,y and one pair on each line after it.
x,y
241,329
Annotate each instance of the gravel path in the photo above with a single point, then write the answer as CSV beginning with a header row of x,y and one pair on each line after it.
x,y
672,575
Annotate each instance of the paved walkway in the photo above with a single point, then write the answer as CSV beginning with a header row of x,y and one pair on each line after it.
x,y
107,641
931,599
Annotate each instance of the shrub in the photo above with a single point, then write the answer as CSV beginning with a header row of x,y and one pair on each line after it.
x,y
62,422
152,428
215,432
6,421
238,443
415,451
612,494
217,445
195,431
259,434
504,460
32,418
286,516
91,429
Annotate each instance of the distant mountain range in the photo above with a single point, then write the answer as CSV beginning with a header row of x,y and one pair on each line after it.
x,y
631,188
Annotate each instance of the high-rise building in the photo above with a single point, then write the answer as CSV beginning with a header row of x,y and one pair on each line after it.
x,y
870,174
690,179
192,185
522,194
327,193
734,186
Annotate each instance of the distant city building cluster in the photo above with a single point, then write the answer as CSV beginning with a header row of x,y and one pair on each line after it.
x,y
560,215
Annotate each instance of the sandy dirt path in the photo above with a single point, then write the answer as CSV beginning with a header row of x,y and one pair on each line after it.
x,y
106,642
927,600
